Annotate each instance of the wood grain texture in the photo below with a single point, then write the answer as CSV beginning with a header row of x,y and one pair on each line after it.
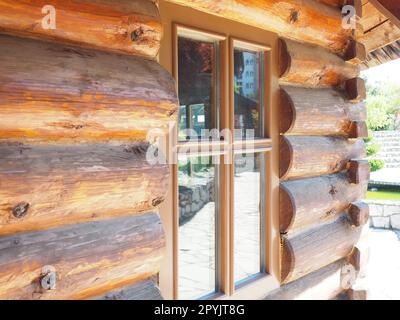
x,y
305,252
390,8
51,92
319,112
302,20
43,186
355,53
300,208
312,66
323,284
354,294
144,290
371,17
89,259
356,90
312,156
359,213
102,24
380,36
359,170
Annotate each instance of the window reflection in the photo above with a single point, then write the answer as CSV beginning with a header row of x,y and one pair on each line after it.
x,y
247,67
247,217
197,227
196,77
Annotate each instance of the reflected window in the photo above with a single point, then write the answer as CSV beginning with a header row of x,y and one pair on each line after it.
x,y
248,94
197,87
247,215
197,227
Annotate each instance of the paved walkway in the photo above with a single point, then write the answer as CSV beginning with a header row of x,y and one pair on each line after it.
x,y
383,272
197,240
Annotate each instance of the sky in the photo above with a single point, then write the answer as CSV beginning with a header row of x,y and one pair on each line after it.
x,y
389,71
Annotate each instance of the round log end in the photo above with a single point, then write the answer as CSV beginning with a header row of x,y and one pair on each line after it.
x,y
284,58
286,209
285,157
287,112
287,260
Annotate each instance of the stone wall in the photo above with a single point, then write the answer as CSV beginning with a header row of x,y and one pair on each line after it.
x,y
390,147
193,198
384,214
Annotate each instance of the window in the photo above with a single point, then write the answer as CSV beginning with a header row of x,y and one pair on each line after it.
x,y
225,238
199,187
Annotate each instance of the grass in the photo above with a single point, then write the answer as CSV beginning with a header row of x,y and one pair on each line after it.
x,y
384,195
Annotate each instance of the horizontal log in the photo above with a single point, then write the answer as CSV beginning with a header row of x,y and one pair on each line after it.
x,y
128,26
305,111
323,284
301,20
313,156
312,66
303,253
82,260
77,95
144,290
300,208
43,186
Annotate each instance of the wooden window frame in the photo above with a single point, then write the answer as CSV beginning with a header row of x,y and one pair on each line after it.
x,y
228,34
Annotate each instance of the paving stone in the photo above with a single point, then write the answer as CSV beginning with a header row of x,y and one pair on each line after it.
x,y
395,222
381,222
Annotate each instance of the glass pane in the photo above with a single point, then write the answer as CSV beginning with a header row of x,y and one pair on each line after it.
x,y
247,66
197,227
196,68
247,217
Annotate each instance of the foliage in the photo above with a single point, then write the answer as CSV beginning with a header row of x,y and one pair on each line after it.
x,y
373,149
383,105
376,164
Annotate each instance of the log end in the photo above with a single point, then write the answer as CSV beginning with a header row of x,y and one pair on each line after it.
x,y
284,58
358,129
287,209
287,111
359,171
353,294
355,53
285,157
359,213
356,90
287,260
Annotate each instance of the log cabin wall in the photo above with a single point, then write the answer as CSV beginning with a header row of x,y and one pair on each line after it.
x,y
322,120
78,200
323,176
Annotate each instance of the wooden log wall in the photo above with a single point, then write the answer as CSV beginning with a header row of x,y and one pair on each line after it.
x,y
127,26
88,258
323,176
82,96
78,198
307,21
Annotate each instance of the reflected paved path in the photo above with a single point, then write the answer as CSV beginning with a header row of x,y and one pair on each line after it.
x,y
197,241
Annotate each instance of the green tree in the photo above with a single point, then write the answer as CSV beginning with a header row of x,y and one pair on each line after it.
x,y
383,101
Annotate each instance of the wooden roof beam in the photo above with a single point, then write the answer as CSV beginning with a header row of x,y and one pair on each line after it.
x,y
390,8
